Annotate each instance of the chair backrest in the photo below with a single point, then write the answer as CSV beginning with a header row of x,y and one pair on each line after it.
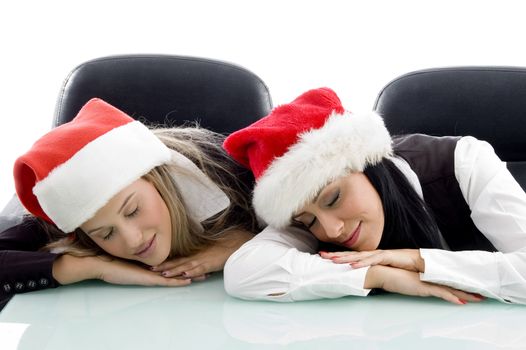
x,y
486,102
168,89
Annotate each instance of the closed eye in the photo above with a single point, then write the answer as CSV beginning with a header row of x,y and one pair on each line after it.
x,y
302,221
109,235
133,213
309,225
334,199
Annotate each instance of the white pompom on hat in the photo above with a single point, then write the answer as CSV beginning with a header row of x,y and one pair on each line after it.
x,y
302,146
76,168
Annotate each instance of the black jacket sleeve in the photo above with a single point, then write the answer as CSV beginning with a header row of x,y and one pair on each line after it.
x,y
23,267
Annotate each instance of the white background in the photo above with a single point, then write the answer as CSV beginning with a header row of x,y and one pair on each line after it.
x,y
354,47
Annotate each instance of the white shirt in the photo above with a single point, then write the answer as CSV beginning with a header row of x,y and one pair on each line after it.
x,y
282,265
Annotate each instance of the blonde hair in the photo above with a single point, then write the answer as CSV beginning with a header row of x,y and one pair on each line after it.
x,y
203,147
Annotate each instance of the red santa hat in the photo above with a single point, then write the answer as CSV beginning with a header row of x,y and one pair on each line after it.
x,y
76,168
302,146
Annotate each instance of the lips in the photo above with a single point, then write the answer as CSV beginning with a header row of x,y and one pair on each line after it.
x,y
354,236
144,250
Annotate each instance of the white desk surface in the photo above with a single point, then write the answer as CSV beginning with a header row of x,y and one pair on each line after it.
x,y
95,315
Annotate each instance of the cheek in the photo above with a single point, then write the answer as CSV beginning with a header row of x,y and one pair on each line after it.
x,y
318,233
377,226
154,212
112,246
159,215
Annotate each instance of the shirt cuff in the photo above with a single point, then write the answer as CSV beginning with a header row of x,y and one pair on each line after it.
x,y
468,271
338,285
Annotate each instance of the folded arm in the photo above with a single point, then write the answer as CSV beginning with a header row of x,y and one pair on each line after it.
x,y
280,265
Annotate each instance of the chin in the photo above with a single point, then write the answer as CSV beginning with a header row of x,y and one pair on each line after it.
x,y
162,258
155,261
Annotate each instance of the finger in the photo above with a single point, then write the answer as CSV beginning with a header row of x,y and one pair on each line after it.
x,y
330,255
471,297
444,293
357,257
453,295
200,278
174,282
457,296
371,260
156,280
170,264
395,258
185,270
197,271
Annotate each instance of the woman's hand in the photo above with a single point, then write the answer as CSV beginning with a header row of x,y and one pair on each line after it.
x,y
69,269
210,259
406,282
118,271
407,259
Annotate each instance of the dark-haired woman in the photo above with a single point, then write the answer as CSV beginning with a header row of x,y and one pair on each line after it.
x,y
416,214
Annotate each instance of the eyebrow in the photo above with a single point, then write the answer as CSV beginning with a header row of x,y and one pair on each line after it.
x,y
125,202
118,212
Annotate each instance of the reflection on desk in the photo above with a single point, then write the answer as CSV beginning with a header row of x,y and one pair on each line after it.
x,y
94,315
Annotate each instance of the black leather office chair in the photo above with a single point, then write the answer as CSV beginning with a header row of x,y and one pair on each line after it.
x,y
485,102
168,89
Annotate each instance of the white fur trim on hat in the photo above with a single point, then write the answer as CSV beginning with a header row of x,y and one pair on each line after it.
x,y
74,191
345,143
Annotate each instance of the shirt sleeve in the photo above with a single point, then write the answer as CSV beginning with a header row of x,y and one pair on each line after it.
x,y
280,265
498,209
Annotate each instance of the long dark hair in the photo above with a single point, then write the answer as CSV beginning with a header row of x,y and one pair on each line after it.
x,y
409,223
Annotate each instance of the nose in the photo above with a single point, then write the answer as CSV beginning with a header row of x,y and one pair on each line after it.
x,y
133,237
332,225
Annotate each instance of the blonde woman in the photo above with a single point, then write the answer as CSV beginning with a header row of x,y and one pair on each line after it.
x,y
113,200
